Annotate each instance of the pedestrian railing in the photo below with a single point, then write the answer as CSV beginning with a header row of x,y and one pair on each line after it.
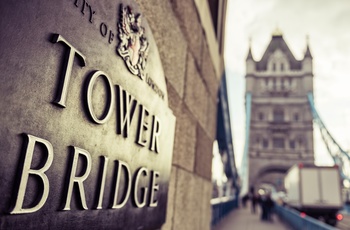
x,y
221,207
297,221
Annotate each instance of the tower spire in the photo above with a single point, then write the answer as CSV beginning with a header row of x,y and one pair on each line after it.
x,y
307,52
277,32
250,55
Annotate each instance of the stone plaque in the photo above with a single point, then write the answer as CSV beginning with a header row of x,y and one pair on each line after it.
x,y
86,134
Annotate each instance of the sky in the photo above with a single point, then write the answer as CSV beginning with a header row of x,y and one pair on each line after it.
x,y
327,24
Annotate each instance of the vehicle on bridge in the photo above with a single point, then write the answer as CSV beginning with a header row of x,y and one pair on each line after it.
x,y
315,191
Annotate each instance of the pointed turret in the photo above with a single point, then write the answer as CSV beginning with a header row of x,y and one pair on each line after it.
x,y
277,33
307,68
250,55
250,68
250,63
307,52
307,61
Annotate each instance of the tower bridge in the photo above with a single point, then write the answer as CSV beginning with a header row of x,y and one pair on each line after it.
x,y
280,121
280,113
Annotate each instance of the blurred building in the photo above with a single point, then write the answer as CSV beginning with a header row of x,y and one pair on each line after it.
x,y
281,131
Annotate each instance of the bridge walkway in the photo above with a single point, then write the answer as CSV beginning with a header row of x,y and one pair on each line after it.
x,y
243,219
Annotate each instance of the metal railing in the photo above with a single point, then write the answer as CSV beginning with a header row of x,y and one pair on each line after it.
x,y
293,219
221,207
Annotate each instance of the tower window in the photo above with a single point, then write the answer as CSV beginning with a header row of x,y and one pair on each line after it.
x,y
296,117
274,66
278,115
278,143
292,144
261,116
265,143
282,67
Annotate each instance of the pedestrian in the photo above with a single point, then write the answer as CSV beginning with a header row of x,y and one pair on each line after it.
x,y
245,198
254,202
269,207
263,204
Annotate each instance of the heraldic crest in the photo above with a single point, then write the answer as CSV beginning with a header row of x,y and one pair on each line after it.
x,y
133,46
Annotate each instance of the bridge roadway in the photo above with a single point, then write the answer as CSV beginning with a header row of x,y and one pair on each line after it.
x,y
243,219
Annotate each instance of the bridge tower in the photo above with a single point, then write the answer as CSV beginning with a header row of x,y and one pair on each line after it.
x,y
281,128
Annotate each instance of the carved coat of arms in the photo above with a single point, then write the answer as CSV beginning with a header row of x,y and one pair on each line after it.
x,y
133,46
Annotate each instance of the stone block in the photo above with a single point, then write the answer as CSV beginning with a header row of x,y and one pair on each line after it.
x,y
191,26
208,72
207,190
204,149
171,199
174,100
187,201
211,118
196,95
171,43
185,140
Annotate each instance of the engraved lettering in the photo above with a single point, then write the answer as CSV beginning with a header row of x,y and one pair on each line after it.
x,y
123,201
83,7
125,111
143,126
139,204
40,173
155,187
76,3
78,180
63,88
156,128
110,100
91,13
103,182
103,29
111,36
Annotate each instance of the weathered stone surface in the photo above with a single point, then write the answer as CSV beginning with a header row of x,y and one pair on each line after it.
x,y
191,26
208,72
175,102
204,146
171,199
196,95
171,43
205,205
185,140
186,213
211,118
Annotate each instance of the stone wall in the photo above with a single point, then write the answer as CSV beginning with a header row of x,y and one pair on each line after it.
x,y
192,80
